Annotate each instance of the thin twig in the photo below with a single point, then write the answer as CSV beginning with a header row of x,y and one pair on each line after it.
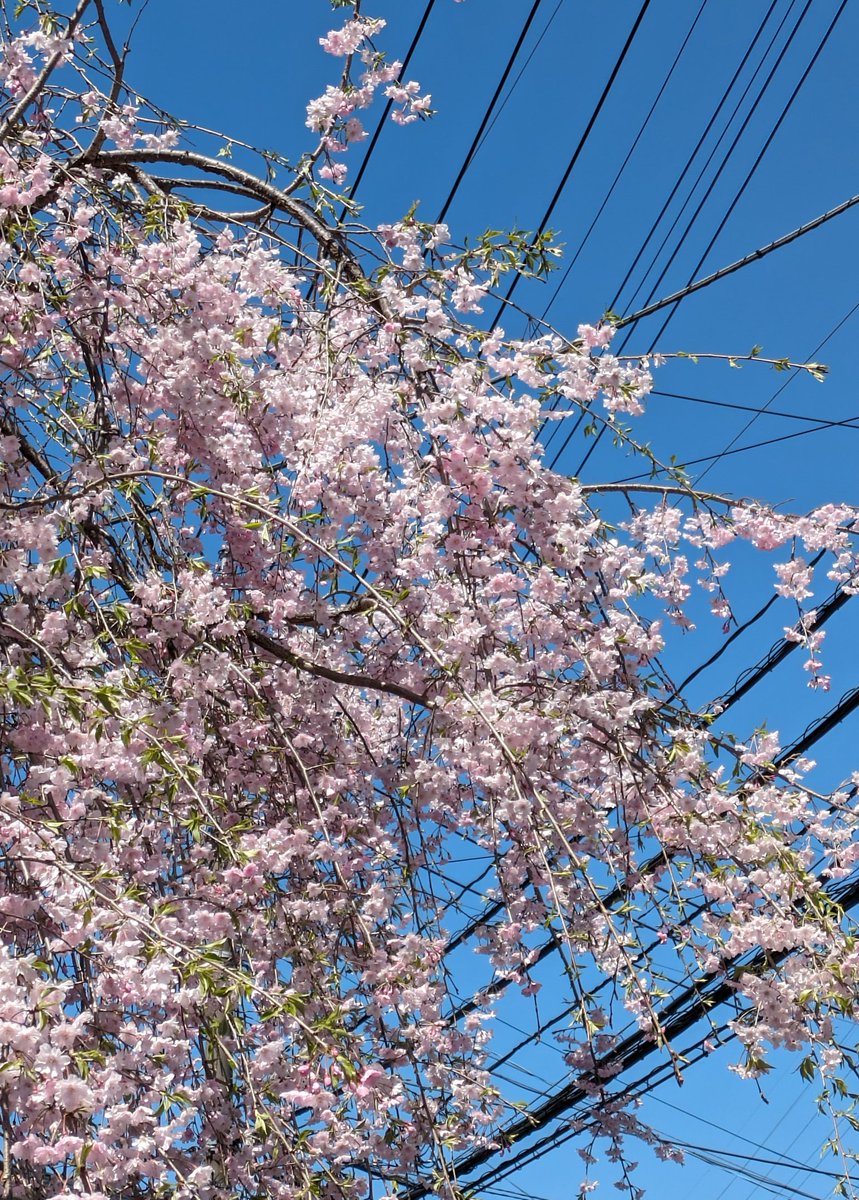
x,y
38,84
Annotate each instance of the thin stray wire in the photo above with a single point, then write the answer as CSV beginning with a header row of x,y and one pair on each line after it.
x,y
762,410
751,421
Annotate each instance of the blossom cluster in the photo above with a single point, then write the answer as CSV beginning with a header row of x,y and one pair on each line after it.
x,y
291,613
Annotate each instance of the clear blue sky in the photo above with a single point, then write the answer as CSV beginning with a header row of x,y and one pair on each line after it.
x,y
250,69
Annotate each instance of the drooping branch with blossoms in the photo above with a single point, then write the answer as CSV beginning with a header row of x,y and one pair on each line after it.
x,y
292,614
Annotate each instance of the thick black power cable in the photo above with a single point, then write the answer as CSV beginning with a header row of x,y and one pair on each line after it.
x,y
739,264
377,132
572,262
752,170
685,1011
749,176
748,680
574,158
537,44
744,684
848,895
677,1017
690,1055
472,150
777,653
701,140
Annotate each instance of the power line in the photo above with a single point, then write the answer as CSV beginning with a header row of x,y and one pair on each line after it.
x,y
386,112
747,260
691,286
571,432
759,411
777,653
765,147
686,1009
737,197
728,154
579,147
472,150
714,458
726,93
818,426
785,1158
625,162
748,680
762,445
677,1016
778,392
520,73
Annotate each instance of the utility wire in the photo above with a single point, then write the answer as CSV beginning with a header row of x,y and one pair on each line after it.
x,y
726,157
472,150
573,429
625,162
750,175
784,1158
701,140
747,260
777,653
751,421
813,733
731,449
520,73
759,411
765,444
677,1016
574,158
755,256
386,112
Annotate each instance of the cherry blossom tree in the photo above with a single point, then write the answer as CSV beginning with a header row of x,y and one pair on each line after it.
x,y
293,612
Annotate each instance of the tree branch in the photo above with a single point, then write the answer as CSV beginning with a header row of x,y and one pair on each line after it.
x,y
39,83
278,650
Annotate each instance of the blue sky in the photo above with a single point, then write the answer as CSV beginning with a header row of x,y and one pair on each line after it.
x,y
250,70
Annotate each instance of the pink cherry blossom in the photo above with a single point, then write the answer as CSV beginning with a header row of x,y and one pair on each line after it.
x,y
296,621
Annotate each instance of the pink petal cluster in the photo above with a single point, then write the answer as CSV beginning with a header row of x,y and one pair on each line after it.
x,y
293,617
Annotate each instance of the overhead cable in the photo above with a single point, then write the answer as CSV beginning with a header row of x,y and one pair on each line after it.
x,y
573,260
517,275
726,157
747,260
574,427
752,170
472,150
386,111
728,449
